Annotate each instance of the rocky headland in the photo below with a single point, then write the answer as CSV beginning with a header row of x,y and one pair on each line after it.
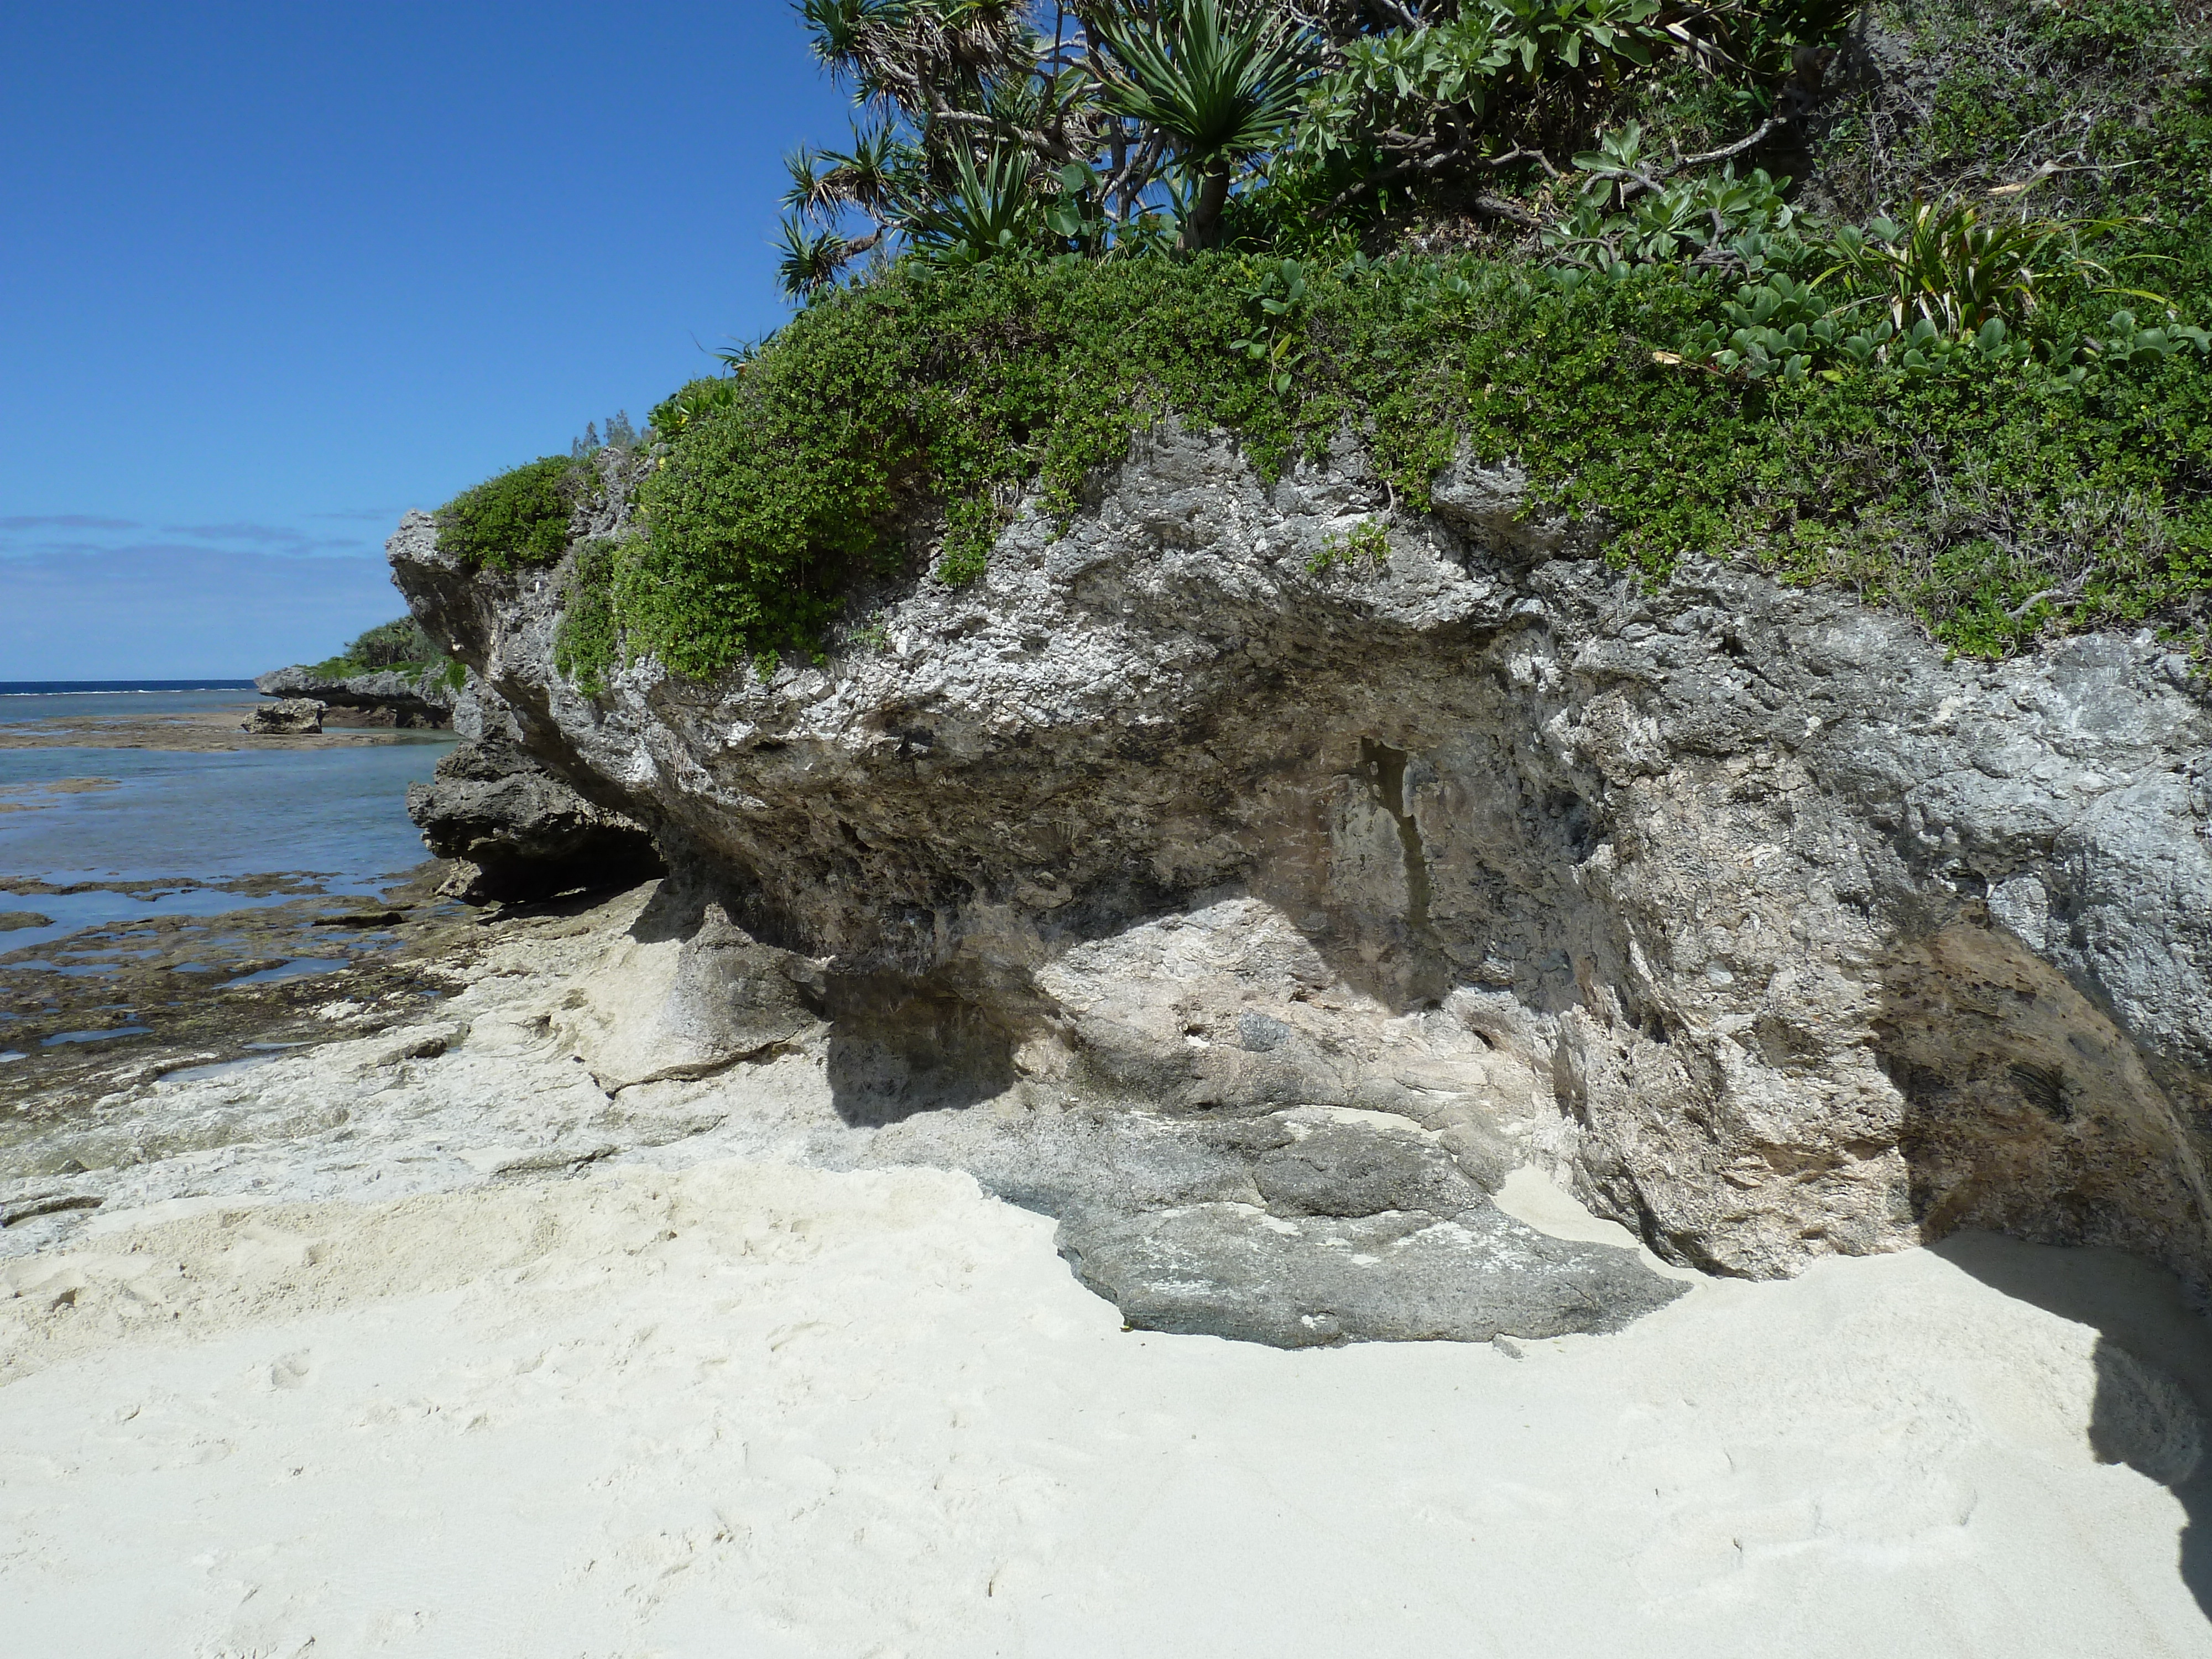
x,y
390,696
1339,887
1452,890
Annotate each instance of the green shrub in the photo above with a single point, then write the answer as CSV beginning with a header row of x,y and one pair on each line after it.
x,y
388,645
518,517
398,644
2007,447
585,642
1370,540
932,394
931,397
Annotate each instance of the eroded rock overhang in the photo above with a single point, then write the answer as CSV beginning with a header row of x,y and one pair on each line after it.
x,y
1739,907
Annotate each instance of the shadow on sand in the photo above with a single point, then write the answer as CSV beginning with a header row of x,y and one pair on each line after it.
x,y
2153,1357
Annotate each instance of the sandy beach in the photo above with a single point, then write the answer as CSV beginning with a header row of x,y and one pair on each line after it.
x,y
750,1409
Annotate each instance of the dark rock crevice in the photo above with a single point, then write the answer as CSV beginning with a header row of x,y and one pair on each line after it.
x,y
516,831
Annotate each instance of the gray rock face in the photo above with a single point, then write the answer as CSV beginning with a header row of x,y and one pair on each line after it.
x,y
519,831
1230,1270
1298,1228
686,994
286,715
1738,907
387,697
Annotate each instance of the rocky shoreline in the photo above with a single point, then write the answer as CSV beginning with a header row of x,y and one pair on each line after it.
x,y
1376,1227
474,1240
1739,908
387,697
107,1007
203,731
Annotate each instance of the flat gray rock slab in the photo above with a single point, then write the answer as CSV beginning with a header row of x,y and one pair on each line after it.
x,y
1235,1271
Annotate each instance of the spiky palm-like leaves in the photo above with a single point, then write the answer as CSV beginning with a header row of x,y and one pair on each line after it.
x,y
848,33
810,196
1947,264
1219,89
919,57
873,178
870,177
989,209
812,259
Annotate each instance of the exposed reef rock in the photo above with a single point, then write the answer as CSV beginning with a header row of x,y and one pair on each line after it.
x,y
387,697
286,716
517,831
1770,930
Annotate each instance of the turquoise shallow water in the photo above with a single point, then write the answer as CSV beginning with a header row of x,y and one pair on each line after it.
x,y
339,815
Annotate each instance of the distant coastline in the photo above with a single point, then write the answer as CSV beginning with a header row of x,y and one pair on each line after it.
x,y
67,688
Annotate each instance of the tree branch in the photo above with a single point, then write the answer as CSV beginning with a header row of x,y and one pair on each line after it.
x,y
1498,208
1635,184
2034,600
1442,158
1728,152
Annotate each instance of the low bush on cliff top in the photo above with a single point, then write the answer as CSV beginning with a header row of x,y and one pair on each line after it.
x,y
400,644
520,517
1971,490
1990,405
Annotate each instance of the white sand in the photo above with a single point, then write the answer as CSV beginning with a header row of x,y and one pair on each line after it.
x,y
754,1410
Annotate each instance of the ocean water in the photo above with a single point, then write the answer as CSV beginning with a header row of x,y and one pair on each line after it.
x,y
28,701
338,815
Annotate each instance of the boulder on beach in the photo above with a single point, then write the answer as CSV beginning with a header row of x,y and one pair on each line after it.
x,y
287,716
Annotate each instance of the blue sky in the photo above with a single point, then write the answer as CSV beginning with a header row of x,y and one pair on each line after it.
x,y
273,274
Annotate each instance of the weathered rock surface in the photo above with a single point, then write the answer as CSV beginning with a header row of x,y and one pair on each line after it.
x,y
684,992
519,831
1295,1227
385,697
1230,1270
286,715
1767,928
1298,1228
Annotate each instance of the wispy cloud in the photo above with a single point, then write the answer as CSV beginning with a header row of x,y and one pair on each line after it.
x,y
287,538
67,521
365,515
50,536
65,550
164,609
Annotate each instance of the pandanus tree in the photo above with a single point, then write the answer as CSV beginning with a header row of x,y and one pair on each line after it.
x,y
1217,92
1037,124
983,123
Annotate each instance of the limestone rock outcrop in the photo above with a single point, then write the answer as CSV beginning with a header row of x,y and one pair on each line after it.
x,y
387,697
287,716
518,831
685,994
1740,907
